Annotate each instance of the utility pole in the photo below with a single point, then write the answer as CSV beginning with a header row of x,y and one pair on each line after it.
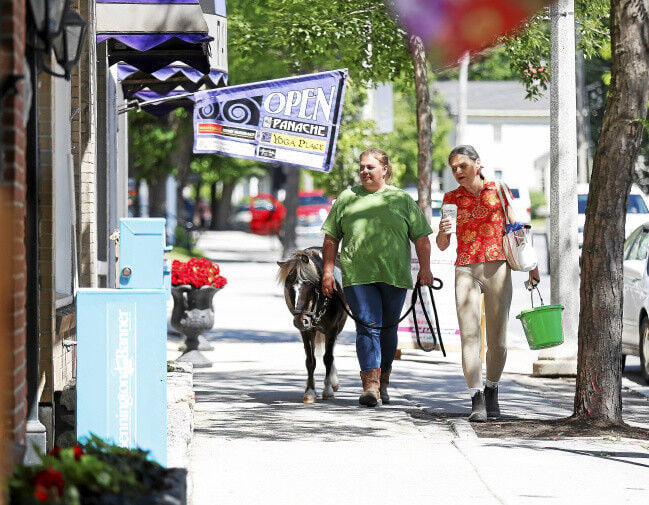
x,y
583,121
564,252
460,129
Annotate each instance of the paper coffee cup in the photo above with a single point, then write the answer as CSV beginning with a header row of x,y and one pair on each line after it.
x,y
449,210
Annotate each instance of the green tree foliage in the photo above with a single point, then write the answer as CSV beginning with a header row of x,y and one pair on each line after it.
x,y
529,50
271,36
151,142
491,65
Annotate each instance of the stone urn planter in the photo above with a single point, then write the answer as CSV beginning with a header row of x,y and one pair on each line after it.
x,y
193,315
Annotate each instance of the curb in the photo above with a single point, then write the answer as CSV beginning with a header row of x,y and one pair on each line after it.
x,y
180,424
462,429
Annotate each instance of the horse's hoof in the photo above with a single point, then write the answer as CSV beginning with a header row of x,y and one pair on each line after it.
x,y
328,394
309,397
335,386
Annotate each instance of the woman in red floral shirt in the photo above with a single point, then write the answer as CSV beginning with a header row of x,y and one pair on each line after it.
x,y
480,268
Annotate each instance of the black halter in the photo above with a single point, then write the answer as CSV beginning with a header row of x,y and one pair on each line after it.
x,y
315,315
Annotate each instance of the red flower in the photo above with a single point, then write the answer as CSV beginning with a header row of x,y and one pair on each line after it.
x,y
78,452
196,272
48,483
56,451
41,493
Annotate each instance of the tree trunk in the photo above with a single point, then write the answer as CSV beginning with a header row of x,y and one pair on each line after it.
x,y
424,118
225,205
157,197
291,201
180,159
599,375
214,207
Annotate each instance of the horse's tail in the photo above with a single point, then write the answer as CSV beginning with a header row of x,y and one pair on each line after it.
x,y
320,340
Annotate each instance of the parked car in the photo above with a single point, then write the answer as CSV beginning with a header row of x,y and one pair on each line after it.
x,y
522,204
637,211
267,214
240,217
635,313
313,208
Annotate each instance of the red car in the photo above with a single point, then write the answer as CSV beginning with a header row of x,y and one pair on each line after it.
x,y
312,210
266,214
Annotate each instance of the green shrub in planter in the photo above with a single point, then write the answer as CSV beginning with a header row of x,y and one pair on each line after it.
x,y
94,473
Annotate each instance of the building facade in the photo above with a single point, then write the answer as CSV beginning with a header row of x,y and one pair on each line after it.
x,y
63,188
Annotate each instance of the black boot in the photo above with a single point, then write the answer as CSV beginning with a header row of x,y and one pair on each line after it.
x,y
478,409
491,399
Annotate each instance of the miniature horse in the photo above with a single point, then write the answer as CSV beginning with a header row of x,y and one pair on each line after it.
x,y
317,317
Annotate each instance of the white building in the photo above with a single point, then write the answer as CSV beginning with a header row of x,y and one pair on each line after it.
x,y
511,134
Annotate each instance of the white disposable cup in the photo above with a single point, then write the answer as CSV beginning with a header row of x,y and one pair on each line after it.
x,y
449,211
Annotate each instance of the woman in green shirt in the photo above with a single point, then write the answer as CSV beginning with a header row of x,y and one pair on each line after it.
x,y
376,223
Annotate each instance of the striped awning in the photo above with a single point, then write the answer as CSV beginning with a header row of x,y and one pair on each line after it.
x,y
168,78
153,34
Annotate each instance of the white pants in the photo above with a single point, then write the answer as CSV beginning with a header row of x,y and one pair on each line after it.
x,y
492,278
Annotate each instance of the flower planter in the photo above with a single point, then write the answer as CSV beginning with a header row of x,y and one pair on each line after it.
x,y
193,315
96,473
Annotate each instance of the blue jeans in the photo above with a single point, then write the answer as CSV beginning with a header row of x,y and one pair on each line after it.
x,y
377,303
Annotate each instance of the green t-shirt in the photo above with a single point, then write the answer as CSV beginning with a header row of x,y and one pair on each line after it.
x,y
376,229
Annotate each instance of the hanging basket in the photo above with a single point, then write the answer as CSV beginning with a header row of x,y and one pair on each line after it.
x,y
542,325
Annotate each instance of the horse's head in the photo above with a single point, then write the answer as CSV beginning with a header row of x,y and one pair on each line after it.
x,y
302,291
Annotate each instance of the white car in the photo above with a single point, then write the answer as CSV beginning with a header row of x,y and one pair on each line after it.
x,y
521,204
635,313
637,211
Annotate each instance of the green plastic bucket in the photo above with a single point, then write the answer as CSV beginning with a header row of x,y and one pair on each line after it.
x,y
542,326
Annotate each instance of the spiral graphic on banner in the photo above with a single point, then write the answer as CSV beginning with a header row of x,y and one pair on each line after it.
x,y
243,111
209,111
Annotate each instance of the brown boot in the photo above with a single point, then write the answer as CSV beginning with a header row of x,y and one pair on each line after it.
x,y
371,380
383,387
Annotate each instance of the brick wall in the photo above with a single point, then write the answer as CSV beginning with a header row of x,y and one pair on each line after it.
x,y
84,149
13,387
46,265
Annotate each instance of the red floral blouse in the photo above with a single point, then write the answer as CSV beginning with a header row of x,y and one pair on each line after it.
x,y
480,224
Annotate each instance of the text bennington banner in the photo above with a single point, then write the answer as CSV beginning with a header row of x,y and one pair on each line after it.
x,y
292,121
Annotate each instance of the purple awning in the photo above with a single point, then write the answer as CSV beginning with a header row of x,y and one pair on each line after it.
x,y
144,42
125,71
152,34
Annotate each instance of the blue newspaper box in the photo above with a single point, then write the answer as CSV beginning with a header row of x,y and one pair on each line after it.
x,y
141,251
121,346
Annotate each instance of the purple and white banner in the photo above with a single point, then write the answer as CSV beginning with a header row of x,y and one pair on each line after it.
x,y
293,121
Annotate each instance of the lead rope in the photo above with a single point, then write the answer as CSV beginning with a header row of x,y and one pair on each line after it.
x,y
416,292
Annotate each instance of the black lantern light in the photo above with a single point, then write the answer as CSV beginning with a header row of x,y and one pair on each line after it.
x,y
48,18
69,43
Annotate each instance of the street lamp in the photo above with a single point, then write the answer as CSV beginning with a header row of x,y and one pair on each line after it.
x,y
48,18
68,44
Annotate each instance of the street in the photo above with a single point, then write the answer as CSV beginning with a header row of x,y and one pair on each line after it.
x,y
255,441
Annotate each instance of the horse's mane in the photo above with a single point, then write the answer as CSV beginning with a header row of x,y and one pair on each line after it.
x,y
308,272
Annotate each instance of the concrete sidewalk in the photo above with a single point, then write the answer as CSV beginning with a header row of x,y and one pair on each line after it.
x,y
255,441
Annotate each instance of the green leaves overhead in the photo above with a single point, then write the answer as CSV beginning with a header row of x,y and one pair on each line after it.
x,y
529,51
279,35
